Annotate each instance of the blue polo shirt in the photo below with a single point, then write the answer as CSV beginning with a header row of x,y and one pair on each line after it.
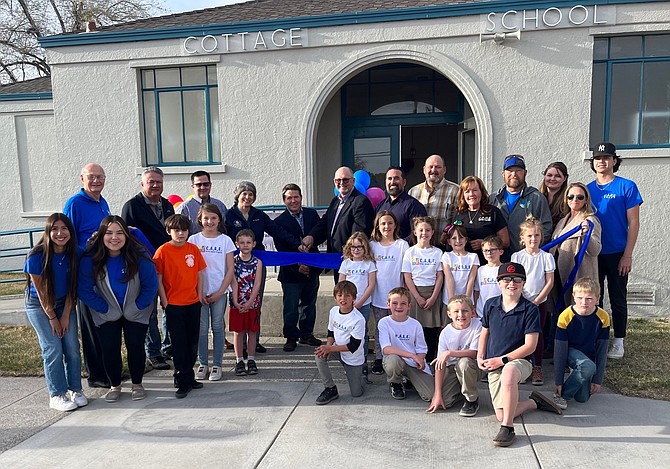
x,y
85,213
507,331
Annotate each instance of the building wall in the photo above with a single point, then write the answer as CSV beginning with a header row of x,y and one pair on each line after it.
x,y
530,96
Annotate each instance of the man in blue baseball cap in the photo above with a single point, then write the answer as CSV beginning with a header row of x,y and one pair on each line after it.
x,y
517,201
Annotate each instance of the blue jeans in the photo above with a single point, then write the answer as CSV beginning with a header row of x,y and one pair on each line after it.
x,y
212,312
365,311
62,362
578,384
152,343
300,308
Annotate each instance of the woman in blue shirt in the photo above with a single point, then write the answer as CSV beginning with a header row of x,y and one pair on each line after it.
x,y
118,281
51,294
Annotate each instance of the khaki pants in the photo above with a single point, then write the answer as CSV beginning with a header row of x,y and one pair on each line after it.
x,y
461,379
395,368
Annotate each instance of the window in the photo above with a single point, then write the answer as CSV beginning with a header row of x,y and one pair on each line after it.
x,y
630,103
180,109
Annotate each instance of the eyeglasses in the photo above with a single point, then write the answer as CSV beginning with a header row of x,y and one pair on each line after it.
x,y
511,279
202,184
342,180
490,251
579,196
356,248
93,177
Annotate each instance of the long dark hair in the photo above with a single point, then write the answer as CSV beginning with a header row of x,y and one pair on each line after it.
x,y
46,246
131,251
557,207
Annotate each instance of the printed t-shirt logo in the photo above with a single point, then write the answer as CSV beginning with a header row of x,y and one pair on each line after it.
x,y
402,337
385,258
422,261
190,260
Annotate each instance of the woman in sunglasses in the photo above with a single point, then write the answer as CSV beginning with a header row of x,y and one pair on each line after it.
x,y
578,202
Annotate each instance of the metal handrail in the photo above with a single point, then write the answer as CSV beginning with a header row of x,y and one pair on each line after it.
x,y
17,251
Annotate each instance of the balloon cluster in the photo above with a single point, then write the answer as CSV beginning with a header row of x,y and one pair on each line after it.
x,y
362,184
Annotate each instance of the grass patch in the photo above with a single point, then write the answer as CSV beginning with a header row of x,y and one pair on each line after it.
x,y
13,288
20,353
644,371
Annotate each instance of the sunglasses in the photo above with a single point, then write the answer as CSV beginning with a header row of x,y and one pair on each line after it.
x,y
579,197
342,180
202,184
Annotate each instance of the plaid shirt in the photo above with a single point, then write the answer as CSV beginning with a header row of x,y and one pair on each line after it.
x,y
441,203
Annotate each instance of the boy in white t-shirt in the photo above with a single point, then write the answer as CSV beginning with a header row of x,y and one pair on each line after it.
x,y
456,370
404,347
487,275
346,331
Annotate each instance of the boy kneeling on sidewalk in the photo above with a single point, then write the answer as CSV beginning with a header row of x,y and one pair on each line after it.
x,y
510,329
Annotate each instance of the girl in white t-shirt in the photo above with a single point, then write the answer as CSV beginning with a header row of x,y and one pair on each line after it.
x,y
422,271
540,266
388,251
359,268
217,249
459,266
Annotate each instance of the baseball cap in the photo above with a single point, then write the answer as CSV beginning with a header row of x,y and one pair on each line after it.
x,y
604,149
511,269
514,160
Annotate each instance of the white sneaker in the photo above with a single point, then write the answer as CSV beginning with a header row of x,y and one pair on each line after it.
x,y
202,372
560,402
78,398
62,403
616,351
215,375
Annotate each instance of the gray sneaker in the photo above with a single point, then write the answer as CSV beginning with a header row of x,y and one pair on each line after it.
x,y
544,403
138,393
113,394
505,437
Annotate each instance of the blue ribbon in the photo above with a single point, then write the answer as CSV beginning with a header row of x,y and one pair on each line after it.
x,y
324,261
579,257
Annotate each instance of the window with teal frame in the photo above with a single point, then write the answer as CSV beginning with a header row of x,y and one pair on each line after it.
x,y
630,101
180,110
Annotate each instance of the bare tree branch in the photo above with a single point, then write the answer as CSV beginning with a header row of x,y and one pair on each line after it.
x,y
22,22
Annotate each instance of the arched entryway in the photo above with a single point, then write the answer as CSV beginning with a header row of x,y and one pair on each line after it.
x,y
396,110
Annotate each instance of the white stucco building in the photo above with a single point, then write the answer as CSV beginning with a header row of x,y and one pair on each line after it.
x,y
278,91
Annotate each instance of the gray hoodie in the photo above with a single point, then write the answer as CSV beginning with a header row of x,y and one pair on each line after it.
x,y
531,202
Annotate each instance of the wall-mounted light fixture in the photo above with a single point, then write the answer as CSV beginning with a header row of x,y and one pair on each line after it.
x,y
499,38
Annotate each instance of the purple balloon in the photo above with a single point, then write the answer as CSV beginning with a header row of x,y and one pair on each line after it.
x,y
376,195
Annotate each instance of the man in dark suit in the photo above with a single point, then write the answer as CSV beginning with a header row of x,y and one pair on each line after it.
x,y
349,212
299,282
148,211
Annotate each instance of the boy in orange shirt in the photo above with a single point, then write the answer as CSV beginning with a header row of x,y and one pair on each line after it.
x,y
180,269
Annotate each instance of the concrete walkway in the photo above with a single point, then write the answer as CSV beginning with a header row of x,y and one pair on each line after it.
x,y
270,421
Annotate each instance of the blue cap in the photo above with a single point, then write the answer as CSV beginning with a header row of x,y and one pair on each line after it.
x,y
514,160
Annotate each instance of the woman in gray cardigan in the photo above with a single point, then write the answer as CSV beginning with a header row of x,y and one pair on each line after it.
x,y
118,281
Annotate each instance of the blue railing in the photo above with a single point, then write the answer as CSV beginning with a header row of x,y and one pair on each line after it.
x,y
25,244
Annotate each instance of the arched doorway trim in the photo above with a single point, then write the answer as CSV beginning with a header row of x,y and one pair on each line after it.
x,y
401,53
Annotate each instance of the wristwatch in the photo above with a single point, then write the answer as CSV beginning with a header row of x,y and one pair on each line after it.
x,y
505,360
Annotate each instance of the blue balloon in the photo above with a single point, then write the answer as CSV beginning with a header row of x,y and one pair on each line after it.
x,y
335,191
362,180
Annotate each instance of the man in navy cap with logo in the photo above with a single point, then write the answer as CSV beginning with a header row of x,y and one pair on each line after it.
x,y
510,329
617,201
517,201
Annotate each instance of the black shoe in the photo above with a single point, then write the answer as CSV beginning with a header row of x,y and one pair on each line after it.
x,y
159,363
240,369
505,437
99,384
377,368
182,392
252,369
544,403
469,409
311,340
260,349
290,345
328,395
397,391
196,385
407,384
166,354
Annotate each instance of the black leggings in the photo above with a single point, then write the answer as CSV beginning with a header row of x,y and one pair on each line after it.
x,y
134,333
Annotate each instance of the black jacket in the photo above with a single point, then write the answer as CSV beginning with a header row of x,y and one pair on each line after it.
x,y
310,218
136,212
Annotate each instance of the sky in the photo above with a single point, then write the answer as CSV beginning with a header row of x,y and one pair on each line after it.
x,y
178,6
